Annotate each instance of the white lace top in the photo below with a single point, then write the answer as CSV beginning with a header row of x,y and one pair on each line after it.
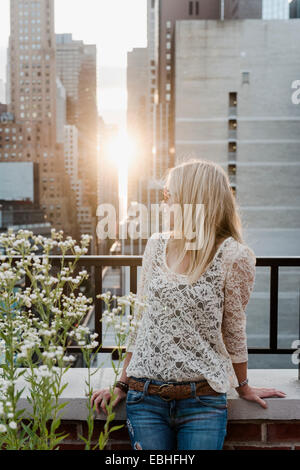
x,y
190,332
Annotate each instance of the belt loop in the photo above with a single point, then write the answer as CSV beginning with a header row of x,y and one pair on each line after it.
x,y
193,389
145,391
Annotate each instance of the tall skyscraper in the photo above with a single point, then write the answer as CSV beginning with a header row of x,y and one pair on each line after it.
x,y
69,56
77,70
33,92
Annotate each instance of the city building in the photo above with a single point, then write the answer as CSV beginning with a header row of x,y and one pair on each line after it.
x,y
77,70
71,152
32,102
162,18
20,199
234,107
137,114
69,56
226,77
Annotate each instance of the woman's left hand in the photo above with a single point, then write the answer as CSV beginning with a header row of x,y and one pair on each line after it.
x,y
256,394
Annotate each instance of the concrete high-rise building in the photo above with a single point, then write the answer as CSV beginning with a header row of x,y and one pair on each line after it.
x,y
232,109
69,56
77,70
162,18
137,113
32,101
276,10
71,146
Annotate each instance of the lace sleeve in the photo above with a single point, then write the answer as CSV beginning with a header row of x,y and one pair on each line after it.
x,y
141,294
238,287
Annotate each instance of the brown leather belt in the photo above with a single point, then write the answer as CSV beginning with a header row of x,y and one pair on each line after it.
x,y
172,391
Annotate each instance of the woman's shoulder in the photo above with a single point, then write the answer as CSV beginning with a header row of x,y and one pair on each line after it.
x,y
153,242
237,251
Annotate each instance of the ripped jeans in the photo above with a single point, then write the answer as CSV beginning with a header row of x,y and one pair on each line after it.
x,y
196,423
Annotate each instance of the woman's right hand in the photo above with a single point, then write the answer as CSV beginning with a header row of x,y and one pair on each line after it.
x,y
101,397
256,394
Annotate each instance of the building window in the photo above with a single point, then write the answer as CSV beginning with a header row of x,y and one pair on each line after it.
x,y
232,124
245,77
233,99
191,8
232,148
197,8
232,169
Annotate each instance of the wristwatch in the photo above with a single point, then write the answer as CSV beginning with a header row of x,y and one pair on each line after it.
x,y
245,382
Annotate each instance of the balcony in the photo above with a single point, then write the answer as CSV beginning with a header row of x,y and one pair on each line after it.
x,y
249,425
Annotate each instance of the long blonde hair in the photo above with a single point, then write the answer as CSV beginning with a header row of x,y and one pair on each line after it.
x,y
203,182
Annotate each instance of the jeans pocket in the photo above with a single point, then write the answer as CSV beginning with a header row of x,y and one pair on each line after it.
x,y
215,401
133,397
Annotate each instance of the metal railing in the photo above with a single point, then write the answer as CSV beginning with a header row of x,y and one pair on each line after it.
x,y
100,262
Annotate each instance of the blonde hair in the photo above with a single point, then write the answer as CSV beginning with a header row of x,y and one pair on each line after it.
x,y
203,182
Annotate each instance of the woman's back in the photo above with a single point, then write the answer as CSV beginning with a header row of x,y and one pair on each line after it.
x,y
183,326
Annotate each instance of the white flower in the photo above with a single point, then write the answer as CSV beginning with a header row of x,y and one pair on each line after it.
x,y
13,425
2,428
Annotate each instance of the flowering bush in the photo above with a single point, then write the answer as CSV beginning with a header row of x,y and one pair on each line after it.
x,y
36,325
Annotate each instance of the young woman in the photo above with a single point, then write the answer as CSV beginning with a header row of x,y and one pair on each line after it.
x,y
190,346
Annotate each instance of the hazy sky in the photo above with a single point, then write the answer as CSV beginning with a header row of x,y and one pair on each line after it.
x,y
116,26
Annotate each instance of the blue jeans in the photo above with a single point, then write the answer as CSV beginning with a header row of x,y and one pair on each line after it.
x,y
196,423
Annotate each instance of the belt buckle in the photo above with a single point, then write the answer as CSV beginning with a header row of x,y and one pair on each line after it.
x,y
163,398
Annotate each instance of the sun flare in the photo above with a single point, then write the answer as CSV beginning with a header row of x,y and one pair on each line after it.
x,y
121,152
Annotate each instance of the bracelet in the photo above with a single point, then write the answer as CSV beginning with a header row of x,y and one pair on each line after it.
x,y
245,382
122,386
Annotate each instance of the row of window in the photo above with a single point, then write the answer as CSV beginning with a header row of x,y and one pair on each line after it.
x,y
32,21
35,4
34,90
232,145
34,98
33,38
35,115
26,13
26,30
194,8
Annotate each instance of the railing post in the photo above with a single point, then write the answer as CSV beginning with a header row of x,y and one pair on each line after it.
x,y
98,302
133,279
299,336
274,308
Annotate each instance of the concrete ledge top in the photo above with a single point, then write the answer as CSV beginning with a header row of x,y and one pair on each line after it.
x,y
286,380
